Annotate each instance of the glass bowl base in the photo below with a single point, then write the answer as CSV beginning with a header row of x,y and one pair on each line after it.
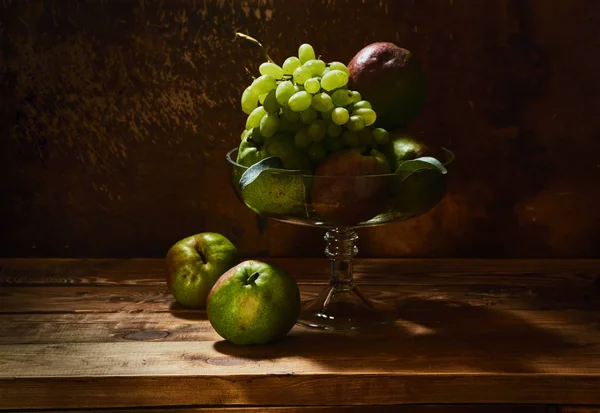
x,y
345,309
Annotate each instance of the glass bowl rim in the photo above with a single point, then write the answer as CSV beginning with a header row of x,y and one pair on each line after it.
x,y
287,172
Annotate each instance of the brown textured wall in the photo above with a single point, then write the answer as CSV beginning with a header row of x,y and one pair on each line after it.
x,y
115,117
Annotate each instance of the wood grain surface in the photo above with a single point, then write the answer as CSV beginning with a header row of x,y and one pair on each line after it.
x,y
107,334
461,408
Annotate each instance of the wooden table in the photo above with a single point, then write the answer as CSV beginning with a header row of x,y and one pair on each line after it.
x,y
474,335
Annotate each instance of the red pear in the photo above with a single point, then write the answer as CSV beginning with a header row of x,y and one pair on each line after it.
x,y
345,188
390,78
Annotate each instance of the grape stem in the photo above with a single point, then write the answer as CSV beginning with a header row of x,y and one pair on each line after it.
x,y
256,42
258,144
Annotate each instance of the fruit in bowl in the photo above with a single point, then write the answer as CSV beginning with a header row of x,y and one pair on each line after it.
x,y
402,146
342,199
312,145
420,181
415,194
391,79
280,194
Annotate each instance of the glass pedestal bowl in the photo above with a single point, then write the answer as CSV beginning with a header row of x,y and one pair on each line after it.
x,y
340,204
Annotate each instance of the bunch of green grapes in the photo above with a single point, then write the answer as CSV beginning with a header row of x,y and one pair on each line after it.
x,y
310,99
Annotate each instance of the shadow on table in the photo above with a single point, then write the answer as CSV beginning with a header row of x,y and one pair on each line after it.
x,y
179,311
444,335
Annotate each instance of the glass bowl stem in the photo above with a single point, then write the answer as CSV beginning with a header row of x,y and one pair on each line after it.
x,y
342,306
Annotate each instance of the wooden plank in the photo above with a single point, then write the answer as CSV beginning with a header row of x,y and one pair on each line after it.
x,y
105,327
579,409
51,271
410,408
156,298
499,366
524,327
303,353
86,299
292,390
525,272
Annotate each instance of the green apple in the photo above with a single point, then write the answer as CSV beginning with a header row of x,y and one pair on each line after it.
x,y
344,192
401,147
195,263
253,303
276,193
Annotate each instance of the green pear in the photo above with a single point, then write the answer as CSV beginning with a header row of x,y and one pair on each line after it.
x,y
276,193
254,303
402,147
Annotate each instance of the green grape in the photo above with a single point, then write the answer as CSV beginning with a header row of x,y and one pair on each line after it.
x,y
271,105
316,66
271,69
290,64
334,130
301,75
312,85
254,135
381,136
290,114
306,53
368,115
269,125
263,84
365,137
300,101
350,138
333,144
308,116
355,123
334,79
317,130
362,104
339,66
341,97
322,102
301,139
356,97
324,72
261,98
255,117
340,116
284,92
249,101
316,152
